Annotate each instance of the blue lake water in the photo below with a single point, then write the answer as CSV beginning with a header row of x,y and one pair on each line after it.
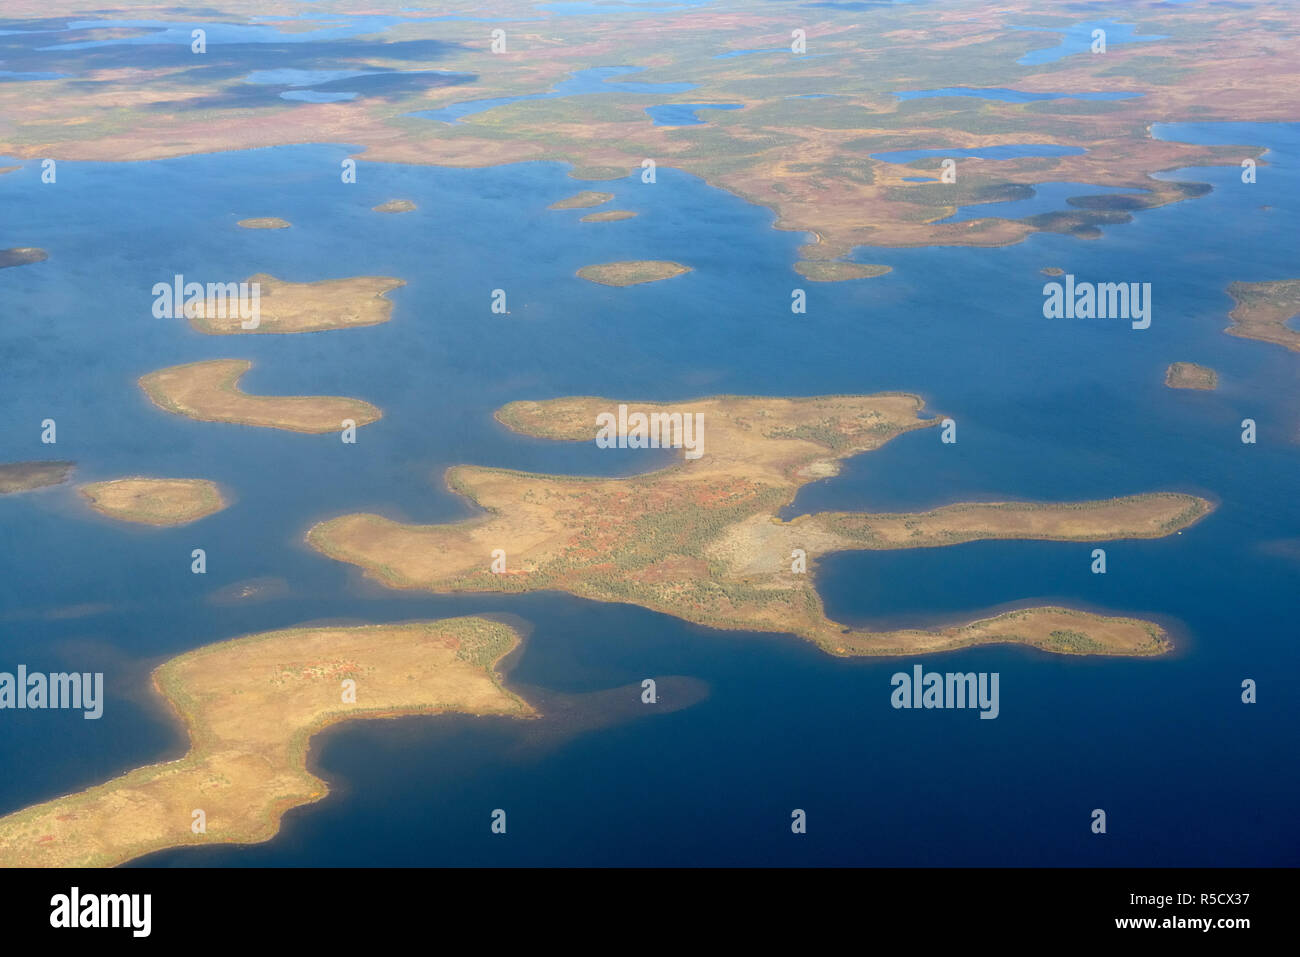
x,y
1006,152
1077,38
1047,198
11,76
1046,410
683,114
581,83
179,33
316,96
1010,96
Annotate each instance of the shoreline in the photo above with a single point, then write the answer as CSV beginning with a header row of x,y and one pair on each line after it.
x,y
199,741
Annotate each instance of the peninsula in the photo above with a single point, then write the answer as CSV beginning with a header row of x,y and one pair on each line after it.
x,y
1263,309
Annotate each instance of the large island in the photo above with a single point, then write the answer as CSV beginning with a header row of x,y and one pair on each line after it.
x,y
702,540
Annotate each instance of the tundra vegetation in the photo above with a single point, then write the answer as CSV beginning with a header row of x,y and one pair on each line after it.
x,y
251,707
26,476
286,307
209,392
702,540
155,501
1263,311
1189,375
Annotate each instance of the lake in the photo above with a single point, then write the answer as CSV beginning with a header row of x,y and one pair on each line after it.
x,y
1046,409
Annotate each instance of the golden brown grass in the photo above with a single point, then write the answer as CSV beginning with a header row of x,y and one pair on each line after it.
x,y
155,501
632,272
287,307
701,539
251,707
584,200
833,271
1189,375
209,391
264,222
1263,309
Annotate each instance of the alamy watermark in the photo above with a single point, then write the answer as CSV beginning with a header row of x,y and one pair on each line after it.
x,y
930,689
60,690
1105,300
215,300
653,430
130,911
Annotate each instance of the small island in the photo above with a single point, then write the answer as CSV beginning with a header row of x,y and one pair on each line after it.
x,y
1263,309
155,501
264,588
632,272
251,707
702,539
607,216
1052,271
835,271
1188,375
209,392
584,200
22,256
265,222
396,206
26,476
289,307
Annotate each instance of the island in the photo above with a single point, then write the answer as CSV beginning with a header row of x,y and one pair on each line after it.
x,y
22,256
209,392
264,222
155,501
262,588
396,206
702,540
1189,375
1052,271
1263,309
26,476
607,216
251,706
584,200
835,271
288,307
632,272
